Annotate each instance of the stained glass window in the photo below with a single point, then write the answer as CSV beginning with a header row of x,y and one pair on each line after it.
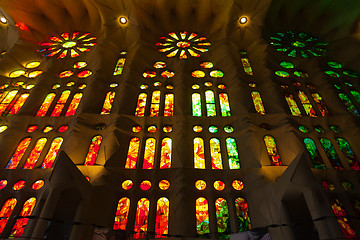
x,y
93,150
18,104
222,216
306,104
314,154
9,98
169,105
210,103
132,153
349,154
356,95
19,152
259,107
247,67
20,224
196,104
35,153
6,211
119,66
162,217
60,103
108,103
199,156
155,104
242,214
166,148
331,154
295,111
233,155
74,104
320,104
349,105
202,216
141,104
341,216
272,150
149,154
52,153
215,153
141,221
224,105
122,213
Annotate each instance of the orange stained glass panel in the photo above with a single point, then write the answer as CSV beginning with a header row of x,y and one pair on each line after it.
x,y
19,185
199,156
127,184
169,105
215,153
202,216
38,184
320,104
18,104
20,224
3,183
74,104
306,104
164,184
219,185
19,152
238,185
145,185
149,154
93,151
141,220
109,99
6,211
259,107
166,148
122,213
84,74
141,104
295,111
132,153
60,103
7,100
35,153
162,217
52,153
200,185
344,223
155,104
272,151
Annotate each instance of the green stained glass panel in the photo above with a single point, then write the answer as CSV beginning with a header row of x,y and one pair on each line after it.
x,y
242,214
335,129
196,104
303,129
287,65
349,154
210,103
349,105
332,73
233,155
282,74
350,73
314,154
222,216
331,154
356,95
334,65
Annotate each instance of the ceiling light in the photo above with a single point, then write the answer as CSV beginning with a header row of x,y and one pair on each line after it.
x,y
3,20
243,20
123,20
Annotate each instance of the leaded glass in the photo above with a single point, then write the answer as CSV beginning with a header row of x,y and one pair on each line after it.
x,y
141,104
202,216
52,153
141,220
46,104
210,103
199,156
149,155
233,155
222,216
314,154
272,150
6,211
93,151
25,213
320,104
215,153
306,104
122,212
331,154
224,104
196,104
259,107
242,214
109,99
349,105
349,154
169,105
133,152
295,111
74,104
35,153
19,152
155,104
166,148
60,103
162,217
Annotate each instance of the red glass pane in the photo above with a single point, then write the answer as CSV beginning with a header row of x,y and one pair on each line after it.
x,y
18,104
35,153
141,221
38,184
165,159
6,211
46,105
93,151
169,105
63,128
19,152
122,213
162,217
149,154
132,153
20,224
74,104
19,185
60,104
108,103
52,153
141,104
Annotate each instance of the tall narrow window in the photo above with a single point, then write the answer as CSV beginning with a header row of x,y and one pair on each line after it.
x,y
259,107
233,155
141,221
120,65
52,153
18,104
93,150
314,154
210,103
149,155
7,100
6,211
247,67
320,104
199,156
356,95
349,154
46,104
35,153
141,104
20,224
122,213
155,104
306,104
109,99
341,216
165,160
349,105
19,152
202,216
60,103
222,216
74,104
331,154
215,153
196,104
132,153
224,105
162,217
169,105
295,111
242,214
272,150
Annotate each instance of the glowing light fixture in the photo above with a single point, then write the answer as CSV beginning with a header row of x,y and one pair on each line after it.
x,y
3,20
123,20
243,20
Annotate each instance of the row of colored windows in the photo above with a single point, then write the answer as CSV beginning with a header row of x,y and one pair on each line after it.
x,y
60,104
309,109
11,102
210,105
155,104
162,216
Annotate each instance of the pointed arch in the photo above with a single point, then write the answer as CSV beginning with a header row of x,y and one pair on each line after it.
x,y
233,155
314,154
46,105
6,211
